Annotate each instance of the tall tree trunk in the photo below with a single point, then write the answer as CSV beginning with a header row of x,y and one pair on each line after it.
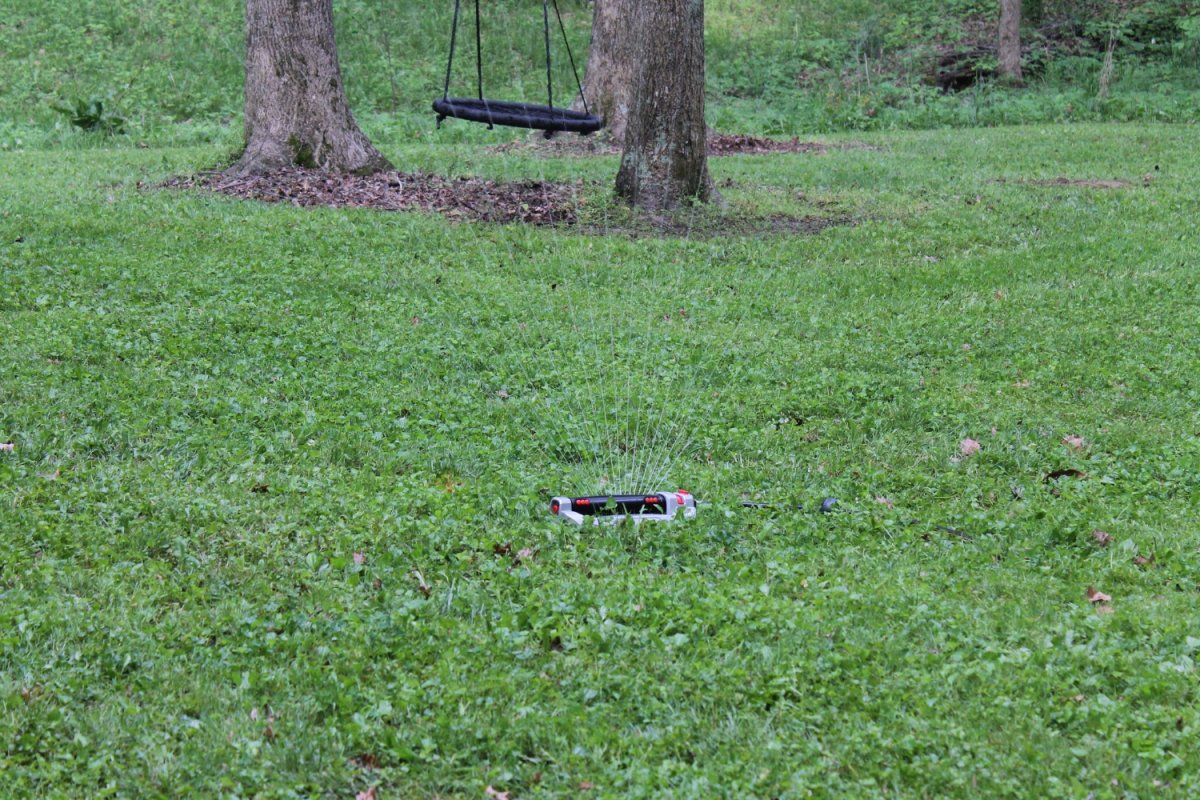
x,y
296,109
1008,48
608,79
665,158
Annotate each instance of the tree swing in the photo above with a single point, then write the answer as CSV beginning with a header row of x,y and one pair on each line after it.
x,y
513,114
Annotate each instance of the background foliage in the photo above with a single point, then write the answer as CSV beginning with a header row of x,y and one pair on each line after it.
x,y
774,67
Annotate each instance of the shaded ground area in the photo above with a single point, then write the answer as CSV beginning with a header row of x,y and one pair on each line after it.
x,y
708,223
482,200
1084,183
719,144
534,202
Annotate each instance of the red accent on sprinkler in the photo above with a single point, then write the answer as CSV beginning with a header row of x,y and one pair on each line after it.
x,y
554,506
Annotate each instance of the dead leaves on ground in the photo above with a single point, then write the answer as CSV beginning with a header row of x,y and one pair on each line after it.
x,y
533,202
728,144
481,200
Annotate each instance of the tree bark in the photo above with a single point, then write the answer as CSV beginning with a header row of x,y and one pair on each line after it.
x,y
1008,48
665,158
608,78
296,109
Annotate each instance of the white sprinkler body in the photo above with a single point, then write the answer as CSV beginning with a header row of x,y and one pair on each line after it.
x,y
598,510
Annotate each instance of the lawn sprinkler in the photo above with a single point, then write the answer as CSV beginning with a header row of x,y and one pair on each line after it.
x,y
612,509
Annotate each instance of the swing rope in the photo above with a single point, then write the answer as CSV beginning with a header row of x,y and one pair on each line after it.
x,y
546,31
478,51
570,57
453,41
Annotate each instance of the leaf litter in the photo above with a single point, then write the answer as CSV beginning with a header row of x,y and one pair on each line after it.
x,y
533,202
473,199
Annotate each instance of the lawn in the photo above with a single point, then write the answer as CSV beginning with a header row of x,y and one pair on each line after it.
x,y
274,520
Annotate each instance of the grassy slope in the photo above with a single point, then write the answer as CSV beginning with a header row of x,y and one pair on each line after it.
x,y
176,75
166,353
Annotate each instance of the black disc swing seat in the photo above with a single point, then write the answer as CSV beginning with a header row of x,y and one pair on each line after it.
x,y
548,118
516,115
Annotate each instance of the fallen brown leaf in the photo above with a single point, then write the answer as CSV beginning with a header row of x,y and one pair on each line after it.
x,y
369,794
502,549
968,447
1064,473
1094,595
1073,442
884,501
1102,538
366,761
1144,561
496,794
6,447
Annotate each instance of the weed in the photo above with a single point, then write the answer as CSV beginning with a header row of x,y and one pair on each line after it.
x,y
90,115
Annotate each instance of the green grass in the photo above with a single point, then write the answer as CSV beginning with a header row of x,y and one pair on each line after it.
x,y
168,355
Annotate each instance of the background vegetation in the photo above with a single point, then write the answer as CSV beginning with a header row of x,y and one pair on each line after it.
x,y
779,68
